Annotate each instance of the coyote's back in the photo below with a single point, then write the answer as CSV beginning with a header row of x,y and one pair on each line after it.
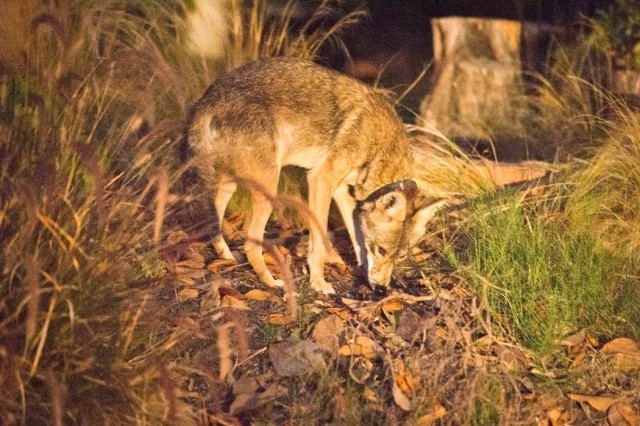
x,y
276,112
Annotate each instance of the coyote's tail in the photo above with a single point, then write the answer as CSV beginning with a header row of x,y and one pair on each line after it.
x,y
190,175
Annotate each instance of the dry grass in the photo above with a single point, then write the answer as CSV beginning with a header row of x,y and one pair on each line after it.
x,y
93,96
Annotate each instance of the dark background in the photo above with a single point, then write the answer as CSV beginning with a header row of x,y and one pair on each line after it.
x,y
393,44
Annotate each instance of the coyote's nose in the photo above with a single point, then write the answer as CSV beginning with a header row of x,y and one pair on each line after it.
x,y
381,274
379,280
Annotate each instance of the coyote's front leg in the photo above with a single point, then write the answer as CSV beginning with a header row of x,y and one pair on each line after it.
x,y
346,204
320,190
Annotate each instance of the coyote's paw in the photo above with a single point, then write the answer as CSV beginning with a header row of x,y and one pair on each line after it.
x,y
228,255
335,258
222,248
321,286
271,282
277,283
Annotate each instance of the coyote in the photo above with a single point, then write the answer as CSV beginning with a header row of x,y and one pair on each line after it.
x,y
281,111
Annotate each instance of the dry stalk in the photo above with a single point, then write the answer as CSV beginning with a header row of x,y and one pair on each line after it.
x,y
287,276
161,203
224,353
240,327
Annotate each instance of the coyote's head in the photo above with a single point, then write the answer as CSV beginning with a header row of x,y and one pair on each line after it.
x,y
387,222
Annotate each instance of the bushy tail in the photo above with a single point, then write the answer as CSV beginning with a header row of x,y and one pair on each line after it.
x,y
190,175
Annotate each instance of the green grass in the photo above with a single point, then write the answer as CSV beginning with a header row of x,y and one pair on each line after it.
x,y
486,406
541,280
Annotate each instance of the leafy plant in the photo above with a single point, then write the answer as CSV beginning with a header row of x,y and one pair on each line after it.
x,y
617,31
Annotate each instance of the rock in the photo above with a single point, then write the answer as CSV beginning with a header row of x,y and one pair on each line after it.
x,y
291,358
327,333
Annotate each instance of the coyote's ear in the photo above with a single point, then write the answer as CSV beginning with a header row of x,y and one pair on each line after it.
x,y
424,208
392,205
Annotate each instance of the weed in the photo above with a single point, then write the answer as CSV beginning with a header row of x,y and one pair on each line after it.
x,y
487,405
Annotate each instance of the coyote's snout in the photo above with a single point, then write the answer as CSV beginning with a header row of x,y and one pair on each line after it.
x,y
276,112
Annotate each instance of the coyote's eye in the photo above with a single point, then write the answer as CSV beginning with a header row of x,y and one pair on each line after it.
x,y
381,251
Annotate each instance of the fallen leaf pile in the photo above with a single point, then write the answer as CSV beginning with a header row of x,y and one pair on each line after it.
x,y
416,355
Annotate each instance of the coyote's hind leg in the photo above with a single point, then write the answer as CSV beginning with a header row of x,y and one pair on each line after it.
x,y
224,191
262,208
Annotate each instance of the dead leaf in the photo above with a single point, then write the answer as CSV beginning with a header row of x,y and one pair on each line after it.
x,y
224,290
361,346
441,333
232,302
224,353
484,345
218,264
235,218
327,331
389,309
197,251
174,237
409,325
512,358
407,383
554,415
250,401
360,369
252,384
622,414
393,305
543,373
187,293
223,419
185,280
579,358
198,247
358,305
400,398
624,352
343,313
188,324
437,412
190,264
291,358
232,225
262,295
278,318
460,292
600,403
445,294
621,345
370,395
577,345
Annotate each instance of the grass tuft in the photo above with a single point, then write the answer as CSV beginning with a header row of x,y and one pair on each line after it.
x,y
541,280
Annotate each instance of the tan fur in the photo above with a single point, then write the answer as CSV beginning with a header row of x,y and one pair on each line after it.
x,y
276,112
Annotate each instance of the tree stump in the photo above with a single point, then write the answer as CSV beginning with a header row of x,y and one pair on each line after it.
x,y
625,82
477,79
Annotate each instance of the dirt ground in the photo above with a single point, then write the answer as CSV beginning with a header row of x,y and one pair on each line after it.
x,y
424,352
